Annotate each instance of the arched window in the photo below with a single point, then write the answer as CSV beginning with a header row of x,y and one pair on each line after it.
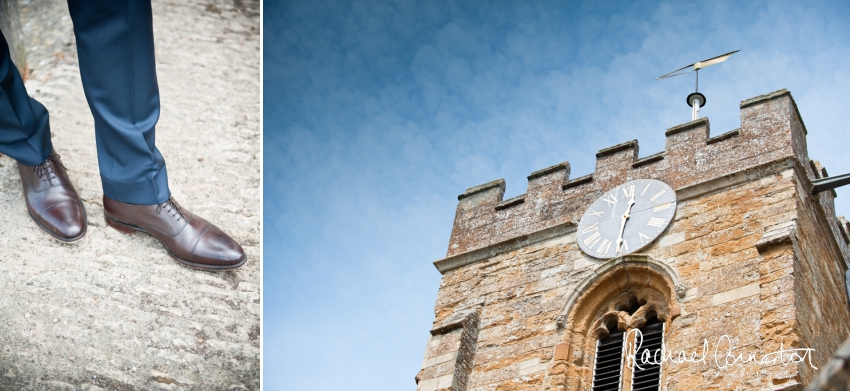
x,y
611,370
599,327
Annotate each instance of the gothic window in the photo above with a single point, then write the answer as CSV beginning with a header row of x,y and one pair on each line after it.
x,y
616,339
601,320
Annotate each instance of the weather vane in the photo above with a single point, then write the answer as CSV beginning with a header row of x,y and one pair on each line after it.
x,y
697,100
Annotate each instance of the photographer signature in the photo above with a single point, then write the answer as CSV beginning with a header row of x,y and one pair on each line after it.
x,y
724,354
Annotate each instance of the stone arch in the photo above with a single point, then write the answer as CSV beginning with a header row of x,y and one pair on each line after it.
x,y
665,271
627,290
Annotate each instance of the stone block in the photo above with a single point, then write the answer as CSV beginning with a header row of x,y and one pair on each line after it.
x,y
562,351
735,294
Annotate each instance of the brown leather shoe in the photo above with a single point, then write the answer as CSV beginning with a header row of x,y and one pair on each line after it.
x,y
52,201
188,238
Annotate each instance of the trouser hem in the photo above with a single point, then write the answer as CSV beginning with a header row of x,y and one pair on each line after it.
x,y
149,191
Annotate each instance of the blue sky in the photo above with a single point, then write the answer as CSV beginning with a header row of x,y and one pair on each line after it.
x,y
379,113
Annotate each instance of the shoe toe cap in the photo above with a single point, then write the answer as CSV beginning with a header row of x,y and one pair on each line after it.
x,y
216,248
65,219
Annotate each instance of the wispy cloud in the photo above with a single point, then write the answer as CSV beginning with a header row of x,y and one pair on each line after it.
x,y
378,113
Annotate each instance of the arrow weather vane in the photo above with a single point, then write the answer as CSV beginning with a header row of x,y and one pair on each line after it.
x,y
697,100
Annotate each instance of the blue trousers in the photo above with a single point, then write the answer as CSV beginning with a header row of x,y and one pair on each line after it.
x,y
116,55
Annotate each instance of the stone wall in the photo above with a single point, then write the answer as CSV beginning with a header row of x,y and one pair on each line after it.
x,y
819,289
835,375
750,254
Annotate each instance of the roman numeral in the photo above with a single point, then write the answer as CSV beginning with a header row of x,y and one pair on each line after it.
x,y
610,199
594,227
625,246
642,237
628,192
645,189
658,195
604,246
591,240
595,213
655,222
662,206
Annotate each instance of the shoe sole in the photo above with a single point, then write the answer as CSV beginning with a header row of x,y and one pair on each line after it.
x,y
62,238
128,229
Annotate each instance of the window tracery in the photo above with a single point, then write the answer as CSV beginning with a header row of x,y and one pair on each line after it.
x,y
631,294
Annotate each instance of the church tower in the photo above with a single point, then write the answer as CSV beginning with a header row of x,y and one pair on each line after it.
x,y
710,265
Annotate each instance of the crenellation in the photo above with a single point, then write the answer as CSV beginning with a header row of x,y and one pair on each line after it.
x,y
613,162
723,137
514,201
695,124
686,152
760,99
485,192
648,160
561,169
582,180
750,253
542,183
628,145
771,130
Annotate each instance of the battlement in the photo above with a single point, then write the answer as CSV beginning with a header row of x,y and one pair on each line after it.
x,y
772,136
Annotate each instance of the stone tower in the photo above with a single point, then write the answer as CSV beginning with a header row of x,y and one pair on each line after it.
x,y
745,286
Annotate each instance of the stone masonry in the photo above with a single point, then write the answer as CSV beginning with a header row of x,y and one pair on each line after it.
x,y
835,375
751,254
115,312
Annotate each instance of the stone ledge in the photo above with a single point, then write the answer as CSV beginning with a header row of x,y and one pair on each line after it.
x,y
724,136
453,322
764,98
617,148
467,258
565,166
511,202
792,385
687,126
733,179
780,234
481,188
578,181
649,159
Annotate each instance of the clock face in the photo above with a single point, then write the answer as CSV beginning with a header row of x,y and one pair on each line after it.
x,y
626,218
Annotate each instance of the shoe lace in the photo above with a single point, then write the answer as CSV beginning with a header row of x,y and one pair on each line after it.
x,y
44,170
171,207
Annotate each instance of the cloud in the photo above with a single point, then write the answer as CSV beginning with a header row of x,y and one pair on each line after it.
x,y
378,113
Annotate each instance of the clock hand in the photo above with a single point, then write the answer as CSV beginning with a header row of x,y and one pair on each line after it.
x,y
620,238
623,224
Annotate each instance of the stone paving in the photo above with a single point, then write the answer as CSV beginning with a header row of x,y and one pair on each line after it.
x,y
115,312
